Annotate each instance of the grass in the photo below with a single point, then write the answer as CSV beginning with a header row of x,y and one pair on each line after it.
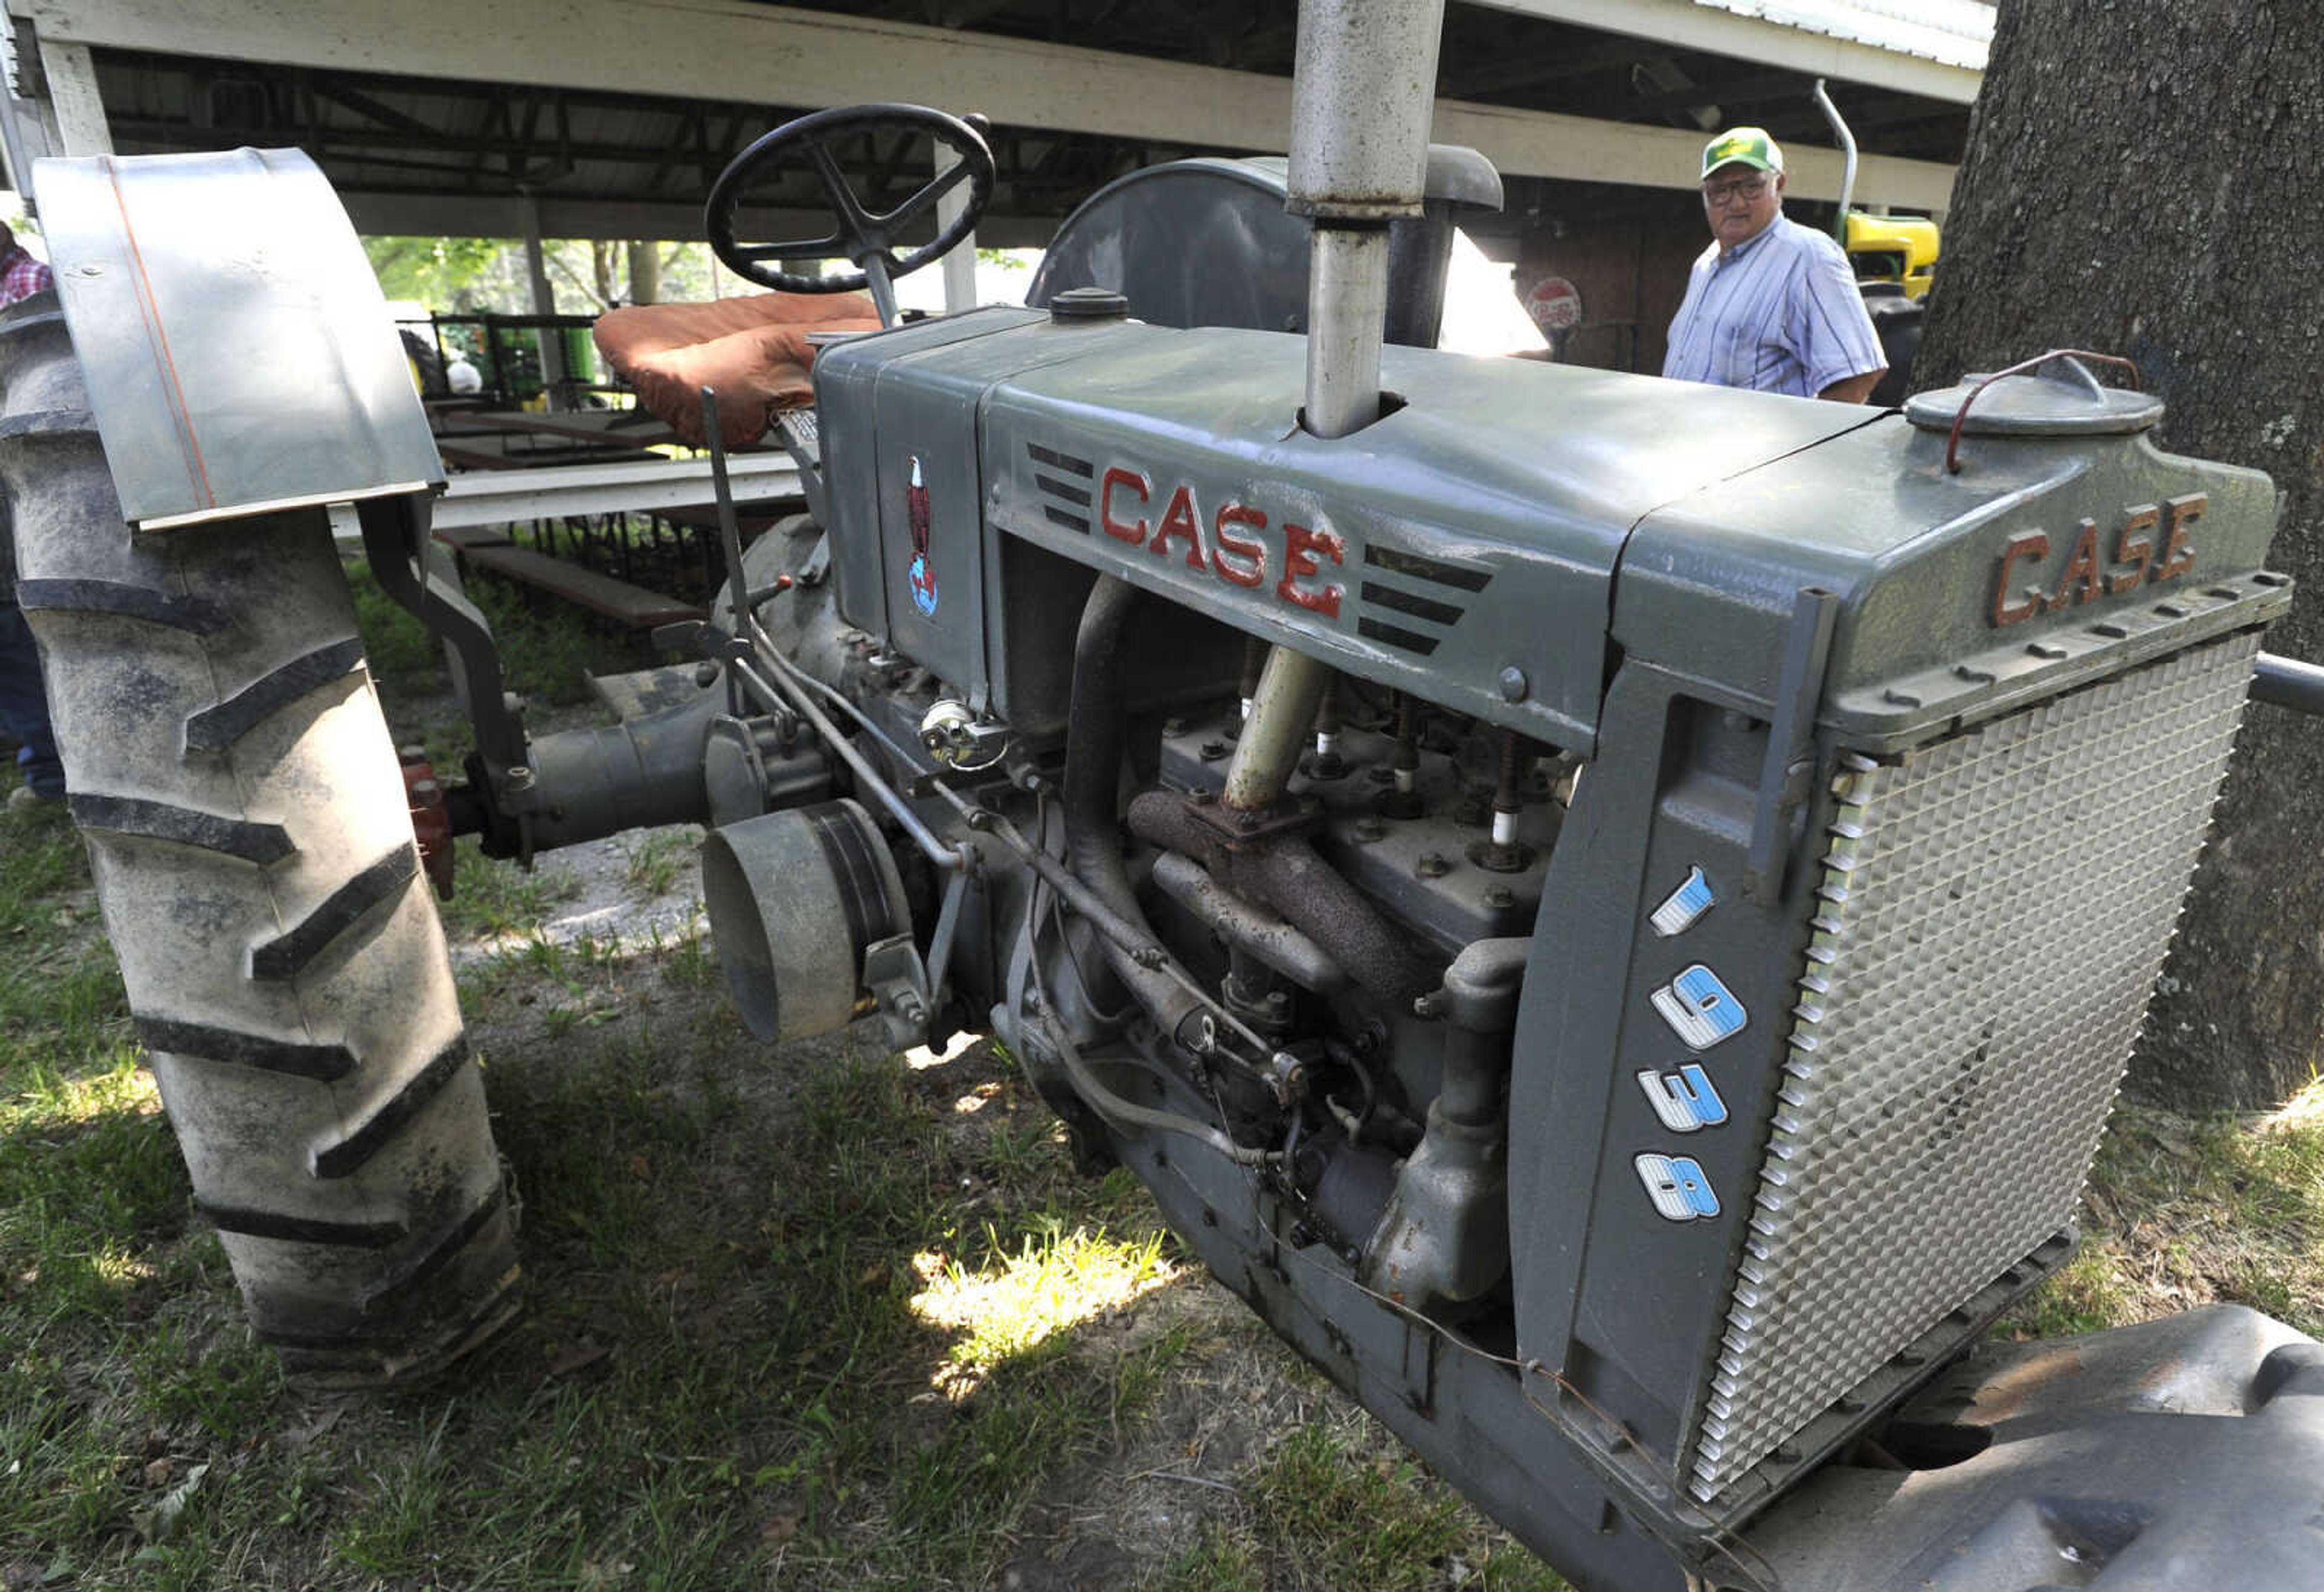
x,y
495,897
729,1374
2181,1212
683,1383
1295,1529
657,859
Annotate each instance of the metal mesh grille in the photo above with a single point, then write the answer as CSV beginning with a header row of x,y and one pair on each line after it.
x,y
1995,910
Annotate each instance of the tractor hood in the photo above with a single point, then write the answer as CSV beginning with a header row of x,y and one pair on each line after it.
x,y
1510,527
1465,545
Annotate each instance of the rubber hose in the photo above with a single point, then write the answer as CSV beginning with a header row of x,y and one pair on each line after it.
x,y
1123,1114
1094,744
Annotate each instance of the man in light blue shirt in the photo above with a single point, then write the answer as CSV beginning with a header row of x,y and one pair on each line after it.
x,y
1770,304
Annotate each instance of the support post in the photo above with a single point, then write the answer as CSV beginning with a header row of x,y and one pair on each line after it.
x,y
72,96
960,265
24,130
544,302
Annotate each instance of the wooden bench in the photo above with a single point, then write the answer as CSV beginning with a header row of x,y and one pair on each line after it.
x,y
463,539
631,606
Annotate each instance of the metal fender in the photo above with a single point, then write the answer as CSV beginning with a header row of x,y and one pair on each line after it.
x,y
239,354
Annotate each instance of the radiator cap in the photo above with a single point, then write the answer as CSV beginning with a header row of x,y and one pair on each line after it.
x,y
2062,400
1088,303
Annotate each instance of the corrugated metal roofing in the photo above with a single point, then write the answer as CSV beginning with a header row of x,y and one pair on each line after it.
x,y
1953,32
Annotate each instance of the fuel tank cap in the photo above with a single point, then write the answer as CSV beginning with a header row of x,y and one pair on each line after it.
x,y
2062,398
1088,303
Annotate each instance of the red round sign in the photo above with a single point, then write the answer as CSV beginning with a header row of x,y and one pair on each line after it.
x,y
1555,304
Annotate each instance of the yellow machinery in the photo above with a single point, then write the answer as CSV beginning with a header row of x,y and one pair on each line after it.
x,y
1901,249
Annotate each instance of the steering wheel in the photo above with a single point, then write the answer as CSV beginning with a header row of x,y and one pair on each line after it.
x,y
862,236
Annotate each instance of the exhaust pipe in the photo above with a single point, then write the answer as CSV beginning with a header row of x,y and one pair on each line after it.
x,y
1361,90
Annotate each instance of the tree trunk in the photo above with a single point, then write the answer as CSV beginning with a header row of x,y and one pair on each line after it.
x,y
2144,180
645,271
600,272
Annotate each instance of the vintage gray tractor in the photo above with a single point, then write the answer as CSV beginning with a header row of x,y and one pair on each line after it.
x,y
1611,912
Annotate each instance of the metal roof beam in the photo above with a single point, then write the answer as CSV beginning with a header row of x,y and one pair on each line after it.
x,y
1505,75
364,104
1685,24
743,52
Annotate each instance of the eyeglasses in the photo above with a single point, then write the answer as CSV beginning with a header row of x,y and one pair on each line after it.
x,y
1741,188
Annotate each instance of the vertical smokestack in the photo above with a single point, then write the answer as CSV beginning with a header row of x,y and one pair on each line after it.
x,y
1361,91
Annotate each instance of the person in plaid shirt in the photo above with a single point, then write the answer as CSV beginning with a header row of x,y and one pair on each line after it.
x,y
24,705
21,275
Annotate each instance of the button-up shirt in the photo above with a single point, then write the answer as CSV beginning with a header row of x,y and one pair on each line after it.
x,y
1779,312
22,276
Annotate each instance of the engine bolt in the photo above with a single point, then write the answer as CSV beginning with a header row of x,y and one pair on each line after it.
x,y
1172,728
1515,687
1214,750
1369,829
1499,896
1433,864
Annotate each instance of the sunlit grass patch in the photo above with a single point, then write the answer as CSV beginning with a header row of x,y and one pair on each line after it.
x,y
2092,1293
689,960
1016,1299
2189,1211
90,1177
2302,1114
48,1099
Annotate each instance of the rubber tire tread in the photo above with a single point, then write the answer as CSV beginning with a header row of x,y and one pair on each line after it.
x,y
183,826
406,1257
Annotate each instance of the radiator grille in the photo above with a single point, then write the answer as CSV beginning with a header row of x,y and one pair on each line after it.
x,y
1994,913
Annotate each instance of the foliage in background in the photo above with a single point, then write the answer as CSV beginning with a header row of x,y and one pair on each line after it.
x,y
440,272
484,275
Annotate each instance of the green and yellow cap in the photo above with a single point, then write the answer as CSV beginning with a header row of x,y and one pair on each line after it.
x,y
1745,147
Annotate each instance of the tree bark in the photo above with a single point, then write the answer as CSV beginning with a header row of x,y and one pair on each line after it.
x,y
2144,179
645,271
602,254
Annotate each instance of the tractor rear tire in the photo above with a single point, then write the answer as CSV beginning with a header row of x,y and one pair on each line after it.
x,y
248,829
